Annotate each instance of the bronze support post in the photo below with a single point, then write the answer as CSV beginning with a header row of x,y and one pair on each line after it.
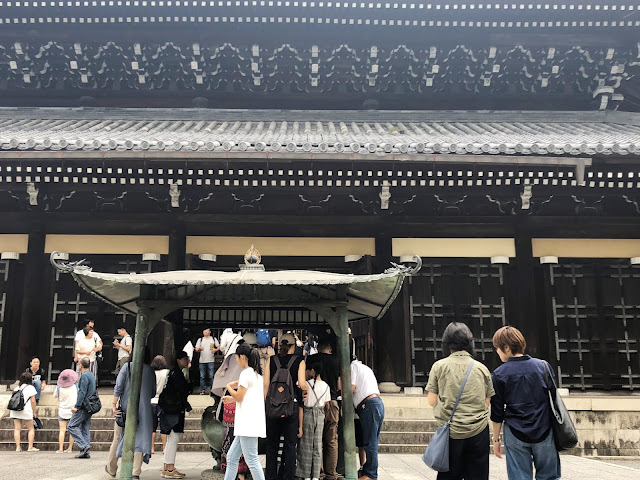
x,y
348,412
143,322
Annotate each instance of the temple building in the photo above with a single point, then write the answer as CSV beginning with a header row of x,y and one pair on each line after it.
x,y
499,141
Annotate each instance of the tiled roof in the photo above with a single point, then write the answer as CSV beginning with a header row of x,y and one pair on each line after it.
x,y
367,295
320,132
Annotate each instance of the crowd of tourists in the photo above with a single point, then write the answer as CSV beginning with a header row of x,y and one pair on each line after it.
x,y
287,391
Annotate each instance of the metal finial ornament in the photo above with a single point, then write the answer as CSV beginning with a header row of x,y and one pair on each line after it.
x,y
404,269
67,267
252,257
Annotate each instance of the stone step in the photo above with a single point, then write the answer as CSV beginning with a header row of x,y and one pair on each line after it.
x,y
97,423
393,425
50,435
99,446
398,400
410,413
386,448
405,438
105,412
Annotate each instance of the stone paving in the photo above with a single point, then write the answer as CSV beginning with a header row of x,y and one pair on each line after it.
x,y
51,466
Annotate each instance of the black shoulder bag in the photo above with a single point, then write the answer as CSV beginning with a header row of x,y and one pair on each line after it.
x,y
92,404
564,431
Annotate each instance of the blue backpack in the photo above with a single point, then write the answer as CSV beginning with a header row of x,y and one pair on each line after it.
x,y
264,339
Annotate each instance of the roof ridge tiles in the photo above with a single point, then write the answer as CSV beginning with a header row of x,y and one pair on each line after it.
x,y
386,132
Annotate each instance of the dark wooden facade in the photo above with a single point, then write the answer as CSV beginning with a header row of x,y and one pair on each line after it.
x,y
582,314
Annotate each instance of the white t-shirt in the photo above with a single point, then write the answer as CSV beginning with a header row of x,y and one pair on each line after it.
x,y
364,380
161,382
85,345
319,394
28,391
250,415
80,336
67,397
206,356
125,342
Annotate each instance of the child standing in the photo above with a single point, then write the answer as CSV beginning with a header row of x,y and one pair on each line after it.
x,y
250,420
310,446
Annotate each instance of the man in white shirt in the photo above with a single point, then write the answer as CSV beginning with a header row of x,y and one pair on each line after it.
x,y
208,346
80,335
124,347
369,407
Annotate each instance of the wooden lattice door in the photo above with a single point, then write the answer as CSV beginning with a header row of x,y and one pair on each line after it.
x,y
71,305
466,291
595,307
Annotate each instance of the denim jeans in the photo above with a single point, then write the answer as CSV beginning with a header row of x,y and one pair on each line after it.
x,y
78,428
521,457
371,417
247,446
38,386
206,375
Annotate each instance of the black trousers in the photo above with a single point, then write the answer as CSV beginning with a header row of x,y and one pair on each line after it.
x,y
468,458
288,428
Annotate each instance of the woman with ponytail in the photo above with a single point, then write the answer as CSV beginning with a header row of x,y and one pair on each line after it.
x,y
250,421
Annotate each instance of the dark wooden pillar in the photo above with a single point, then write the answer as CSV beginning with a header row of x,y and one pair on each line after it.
x,y
34,327
390,341
12,321
526,309
177,248
161,338
176,261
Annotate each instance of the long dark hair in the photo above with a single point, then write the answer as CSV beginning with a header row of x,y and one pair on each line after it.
x,y
252,354
456,338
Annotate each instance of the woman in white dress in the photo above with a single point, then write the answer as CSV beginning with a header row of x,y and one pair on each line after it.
x,y
26,414
67,394
87,347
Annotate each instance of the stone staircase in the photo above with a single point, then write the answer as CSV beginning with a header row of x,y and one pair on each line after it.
x,y
407,428
101,426
408,424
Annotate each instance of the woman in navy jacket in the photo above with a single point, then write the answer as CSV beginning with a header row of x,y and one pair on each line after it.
x,y
521,402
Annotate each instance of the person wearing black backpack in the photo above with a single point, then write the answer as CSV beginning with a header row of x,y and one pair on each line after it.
x,y
283,398
23,409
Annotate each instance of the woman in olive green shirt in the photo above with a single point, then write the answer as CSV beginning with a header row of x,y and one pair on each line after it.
x,y
469,437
